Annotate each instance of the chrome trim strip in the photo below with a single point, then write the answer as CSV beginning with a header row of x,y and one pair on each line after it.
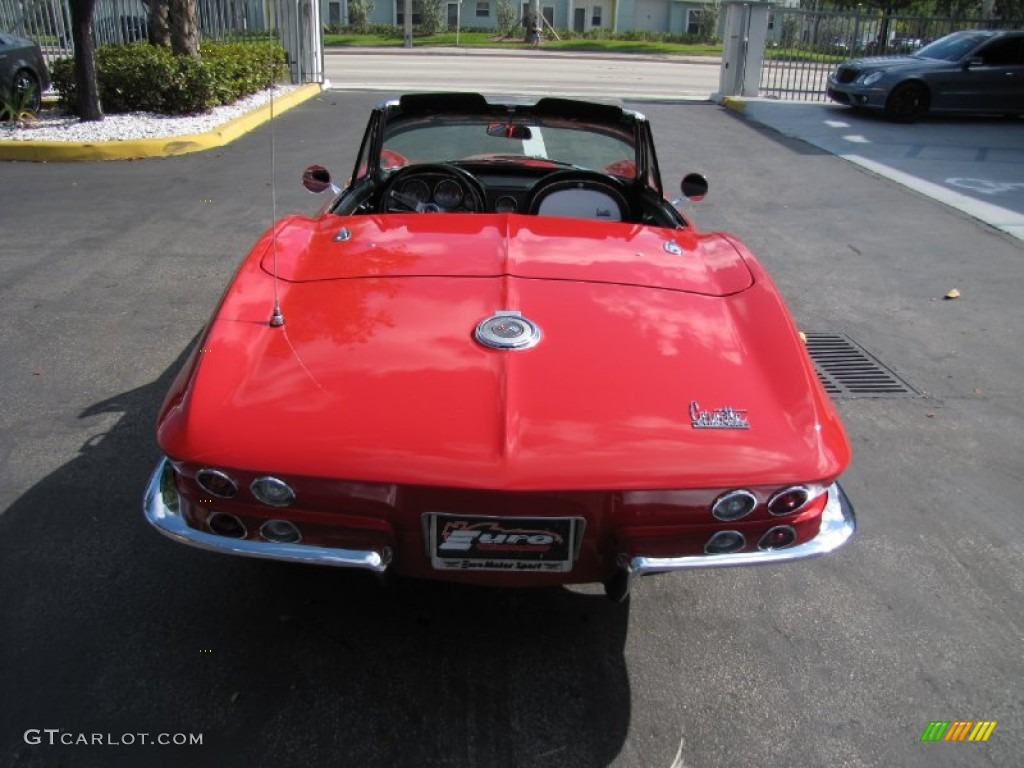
x,y
838,524
171,524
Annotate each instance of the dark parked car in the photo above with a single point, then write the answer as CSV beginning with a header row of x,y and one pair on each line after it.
x,y
975,71
23,72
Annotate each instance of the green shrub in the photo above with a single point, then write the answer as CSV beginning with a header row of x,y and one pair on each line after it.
x,y
359,13
433,17
242,69
62,76
140,77
508,17
135,77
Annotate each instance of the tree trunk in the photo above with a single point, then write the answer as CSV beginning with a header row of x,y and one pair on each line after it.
x,y
88,96
883,32
159,28
184,31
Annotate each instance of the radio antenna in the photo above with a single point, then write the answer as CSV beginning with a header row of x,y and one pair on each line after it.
x,y
276,318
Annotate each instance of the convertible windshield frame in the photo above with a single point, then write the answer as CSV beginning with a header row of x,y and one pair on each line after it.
x,y
615,132
516,139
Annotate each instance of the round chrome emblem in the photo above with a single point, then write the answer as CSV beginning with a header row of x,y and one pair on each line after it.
x,y
507,330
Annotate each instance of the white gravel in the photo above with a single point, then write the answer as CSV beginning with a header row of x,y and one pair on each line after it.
x,y
55,126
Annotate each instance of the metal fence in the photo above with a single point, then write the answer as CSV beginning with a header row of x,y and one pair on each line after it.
x,y
805,46
294,22
48,22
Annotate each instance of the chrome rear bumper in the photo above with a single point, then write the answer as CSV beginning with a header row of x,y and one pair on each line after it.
x,y
168,520
838,524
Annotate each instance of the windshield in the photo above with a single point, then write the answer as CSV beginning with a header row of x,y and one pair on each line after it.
x,y
953,47
545,142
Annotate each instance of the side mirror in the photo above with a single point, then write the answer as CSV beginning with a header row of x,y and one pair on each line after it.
x,y
316,179
974,61
694,187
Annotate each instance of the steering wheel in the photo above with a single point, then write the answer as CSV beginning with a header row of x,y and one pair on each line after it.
x,y
601,186
393,200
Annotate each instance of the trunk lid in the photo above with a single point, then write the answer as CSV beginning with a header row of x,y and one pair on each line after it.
x,y
376,375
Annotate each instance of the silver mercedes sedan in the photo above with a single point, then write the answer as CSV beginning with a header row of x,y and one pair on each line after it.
x,y
973,71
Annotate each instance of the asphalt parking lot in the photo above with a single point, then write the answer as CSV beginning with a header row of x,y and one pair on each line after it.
x,y
975,165
110,270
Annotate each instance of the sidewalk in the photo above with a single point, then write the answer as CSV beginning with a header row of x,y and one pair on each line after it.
x,y
524,50
975,165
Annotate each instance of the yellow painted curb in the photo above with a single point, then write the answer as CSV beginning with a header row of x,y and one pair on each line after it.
x,y
68,151
736,105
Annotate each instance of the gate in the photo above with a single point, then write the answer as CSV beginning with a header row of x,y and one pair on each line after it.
x,y
803,47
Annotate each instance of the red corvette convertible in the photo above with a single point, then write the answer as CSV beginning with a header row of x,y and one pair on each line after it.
x,y
500,356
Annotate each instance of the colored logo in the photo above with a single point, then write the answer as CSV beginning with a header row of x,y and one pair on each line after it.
x,y
958,730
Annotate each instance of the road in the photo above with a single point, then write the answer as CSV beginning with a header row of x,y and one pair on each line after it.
x,y
533,73
109,628
973,164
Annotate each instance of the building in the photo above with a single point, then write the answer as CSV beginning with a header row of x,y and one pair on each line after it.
x,y
671,16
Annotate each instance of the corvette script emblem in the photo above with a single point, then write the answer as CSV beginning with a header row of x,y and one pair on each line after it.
x,y
718,418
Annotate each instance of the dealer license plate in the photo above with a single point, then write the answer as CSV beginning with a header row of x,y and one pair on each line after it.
x,y
521,544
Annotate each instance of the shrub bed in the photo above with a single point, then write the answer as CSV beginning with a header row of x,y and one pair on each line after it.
x,y
391,32
140,77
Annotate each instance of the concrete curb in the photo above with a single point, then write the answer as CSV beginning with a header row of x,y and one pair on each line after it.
x,y
68,152
732,103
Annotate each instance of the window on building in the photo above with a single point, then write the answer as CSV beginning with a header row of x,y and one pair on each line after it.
x,y
483,9
595,18
417,12
334,13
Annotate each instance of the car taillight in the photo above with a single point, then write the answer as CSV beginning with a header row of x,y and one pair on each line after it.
x,y
216,483
779,537
724,542
224,524
281,531
788,501
734,505
272,491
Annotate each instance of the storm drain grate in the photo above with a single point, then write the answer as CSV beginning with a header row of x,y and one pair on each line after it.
x,y
845,369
